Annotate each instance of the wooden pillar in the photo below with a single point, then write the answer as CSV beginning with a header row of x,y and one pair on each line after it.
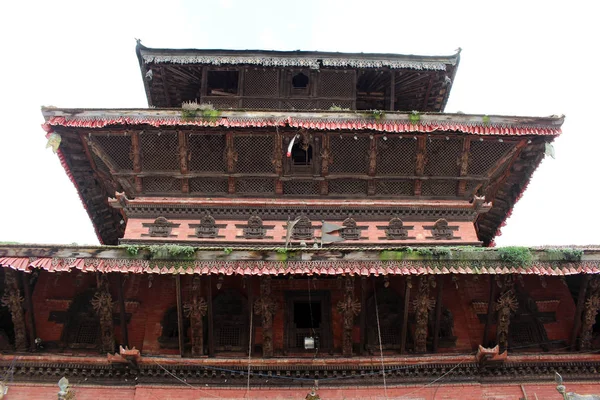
x,y
438,313
122,314
349,308
211,327
422,308
505,305
265,306
250,289
580,303
30,316
13,301
103,305
180,333
405,315
590,310
392,89
363,314
490,311
195,310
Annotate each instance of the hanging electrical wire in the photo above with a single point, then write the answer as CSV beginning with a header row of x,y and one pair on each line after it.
x,y
249,349
380,344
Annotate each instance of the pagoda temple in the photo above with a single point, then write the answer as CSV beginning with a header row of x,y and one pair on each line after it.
x,y
297,225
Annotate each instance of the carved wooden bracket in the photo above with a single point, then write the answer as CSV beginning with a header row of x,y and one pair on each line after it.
x,y
14,302
349,308
266,307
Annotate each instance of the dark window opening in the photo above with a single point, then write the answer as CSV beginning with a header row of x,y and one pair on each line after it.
x,y
222,83
169,337
307,315
300,81
301,156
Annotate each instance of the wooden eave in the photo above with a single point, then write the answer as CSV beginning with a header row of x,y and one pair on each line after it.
x,y
95,185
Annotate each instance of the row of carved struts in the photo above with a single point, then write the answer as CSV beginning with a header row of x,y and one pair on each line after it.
x,y
298,375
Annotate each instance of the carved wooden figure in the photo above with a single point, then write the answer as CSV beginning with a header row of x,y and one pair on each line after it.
x,y
195,310
505,305
13,301
422,307
349,308
103,305
265,306
592,306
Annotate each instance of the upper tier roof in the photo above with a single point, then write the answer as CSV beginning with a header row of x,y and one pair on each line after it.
x,y
263,79
154,152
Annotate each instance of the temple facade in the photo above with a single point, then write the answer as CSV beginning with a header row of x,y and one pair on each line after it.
x,y
297,225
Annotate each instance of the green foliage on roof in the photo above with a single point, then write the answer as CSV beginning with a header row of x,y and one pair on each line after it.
x,y
516,256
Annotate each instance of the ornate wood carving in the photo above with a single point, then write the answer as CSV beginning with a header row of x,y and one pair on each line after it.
x,y
13,301
351,230
255,229
505,305
195,310
423,304
326,156
278,153
421,160
231,156
161,227
207,228
591,308
137,160
464,165
103,306
265,306
303,230
373,157
349,308
396,230
440,230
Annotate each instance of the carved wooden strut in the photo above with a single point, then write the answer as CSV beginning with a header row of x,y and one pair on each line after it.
x,y
103,305
505,305
195,310
422,307
13,301
592,306
265,306
349,308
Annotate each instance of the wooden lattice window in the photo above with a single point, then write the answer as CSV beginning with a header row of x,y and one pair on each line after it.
x,y
230,321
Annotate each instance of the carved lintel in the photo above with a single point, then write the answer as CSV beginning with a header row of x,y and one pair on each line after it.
x,y
14,302
265,306
195,310
103,306
423,304
396,230
440,230
349,308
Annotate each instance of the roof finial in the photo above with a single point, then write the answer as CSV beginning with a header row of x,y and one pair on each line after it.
x,y
458,50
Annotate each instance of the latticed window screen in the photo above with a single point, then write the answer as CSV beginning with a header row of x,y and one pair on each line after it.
x,y
484,154
118,148
326,104
160,184
443,157
84,330
207,153
259,82
256,186
229,336
349,155
523,333
438,188
300,187
390,335
255,153
221,103
208,185
336,83
348,186
396,188
160,151
396,156
300,104
269,104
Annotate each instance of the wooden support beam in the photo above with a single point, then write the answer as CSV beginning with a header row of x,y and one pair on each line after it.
x,y
250,289
431,78
165,85
183,160
113,168
30,316
392,90
211,326
363,314
490,310
420,164
180,333
464,165
578,311
404,331
122,314
438,313
137,160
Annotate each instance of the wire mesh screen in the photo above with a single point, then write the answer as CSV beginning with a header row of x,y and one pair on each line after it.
x,y
349,155
84,331
255,153
348,186
208,185
259,82
160,151
118,148
438,188
300,187
160,184
395,188
229,336
221,103
396,156
207,153
257,186
483,155
270,104
326,104
443,157
336,83
300,104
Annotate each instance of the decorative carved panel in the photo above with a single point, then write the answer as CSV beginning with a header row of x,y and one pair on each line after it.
x,y
161,227
303,230
440,230
396,230
255,229
207,228
351,230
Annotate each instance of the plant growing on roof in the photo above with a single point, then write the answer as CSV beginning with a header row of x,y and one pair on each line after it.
x,y
191,110
486,119
172,250
516,256
335,107
132,250
567,254
414,117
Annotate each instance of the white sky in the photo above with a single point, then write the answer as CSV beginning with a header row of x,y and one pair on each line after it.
x,y
533,58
